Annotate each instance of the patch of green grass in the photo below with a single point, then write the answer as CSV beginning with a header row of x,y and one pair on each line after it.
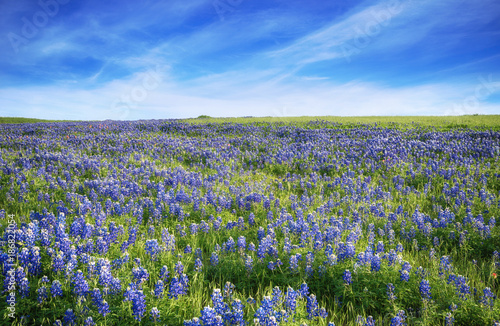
x,y
480,122
27,120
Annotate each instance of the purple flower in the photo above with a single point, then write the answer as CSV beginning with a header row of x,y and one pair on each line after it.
x,y
390,292
24,288
164,273
41,294
140,274
214,259
153,249
198,265
425,290
138,305
56,289
347,277
155,314
69,318
80,285
159,288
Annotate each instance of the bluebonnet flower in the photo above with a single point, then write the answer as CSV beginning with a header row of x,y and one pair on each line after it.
x,y
347,277
228,290
89,321
399,319
80,285
405,272
248,264
214,259
488,298
140,274
375,263
179,268
448,319
294,263
24,288
178,286
322,270
42,294
276,297
164,273
19,274
251,219
153,248
69,318
198,265
241,243
220,307
56,289
193,322
138,305
198,253
380,247
309,271
159,288
236,317
405,276
392,257
304,290
312,307
168,240
425,290
155,314
105,277
291,300
390,292
445,265
102,246
368,321
115,286
265,313
208,316
461,286
188,249
99,302
119,262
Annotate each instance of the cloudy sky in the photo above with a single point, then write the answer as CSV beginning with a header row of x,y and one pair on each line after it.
x,y
68,59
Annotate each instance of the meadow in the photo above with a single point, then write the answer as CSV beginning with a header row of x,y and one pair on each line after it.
x,y
251,221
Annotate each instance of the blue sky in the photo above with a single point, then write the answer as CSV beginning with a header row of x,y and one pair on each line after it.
x,y
67,59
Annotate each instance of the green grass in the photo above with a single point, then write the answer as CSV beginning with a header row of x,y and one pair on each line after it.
x,y
366,296
26,120
400,122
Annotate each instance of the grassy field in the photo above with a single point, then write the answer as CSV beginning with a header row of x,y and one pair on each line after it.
x,y
482,122
399,122
25,120
165,222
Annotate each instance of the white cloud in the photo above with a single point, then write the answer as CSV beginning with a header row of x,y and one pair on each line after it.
x,y
169,100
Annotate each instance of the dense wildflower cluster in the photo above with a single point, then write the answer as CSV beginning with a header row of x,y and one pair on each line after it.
x,y
130,218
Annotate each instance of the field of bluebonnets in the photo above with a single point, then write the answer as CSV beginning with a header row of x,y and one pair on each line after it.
x,y
171,223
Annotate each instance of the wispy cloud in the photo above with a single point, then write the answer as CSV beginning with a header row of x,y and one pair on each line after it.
x,y
385,57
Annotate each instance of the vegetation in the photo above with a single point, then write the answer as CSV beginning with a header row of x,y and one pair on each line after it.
x,y
301,221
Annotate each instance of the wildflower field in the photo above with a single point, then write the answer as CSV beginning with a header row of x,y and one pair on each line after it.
x,y
248,222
